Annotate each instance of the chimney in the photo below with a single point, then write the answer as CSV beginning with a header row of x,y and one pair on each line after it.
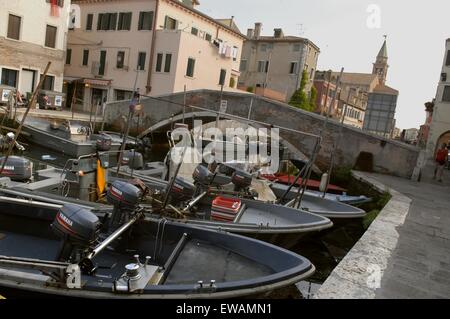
x,y
258,27
278,33
250,33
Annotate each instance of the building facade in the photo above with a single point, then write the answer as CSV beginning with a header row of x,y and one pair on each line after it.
x,y
156,46
276,63
325,84
440,124
351,99
373,104
411,136
33,33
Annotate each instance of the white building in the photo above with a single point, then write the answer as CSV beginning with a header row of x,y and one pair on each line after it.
x,y
173,44
32,33
440,125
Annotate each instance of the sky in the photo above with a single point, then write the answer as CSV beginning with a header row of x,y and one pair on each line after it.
x,y
350,34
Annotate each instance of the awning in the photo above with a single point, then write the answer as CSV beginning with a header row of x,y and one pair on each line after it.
x,y
97,82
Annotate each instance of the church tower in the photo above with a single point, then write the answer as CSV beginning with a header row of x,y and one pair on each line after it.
x,y
380,67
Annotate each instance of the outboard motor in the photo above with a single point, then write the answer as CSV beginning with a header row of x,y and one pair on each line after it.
x,y
103,143
125,198
202,175
182,190
133,159
17,168
241,180
78,229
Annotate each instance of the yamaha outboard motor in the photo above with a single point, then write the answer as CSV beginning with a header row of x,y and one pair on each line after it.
x,y
17,168
125,198
78,229
103,143
133,159
241,180
182,190
202,175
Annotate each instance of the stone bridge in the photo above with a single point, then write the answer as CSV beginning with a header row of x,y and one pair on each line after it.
x,y
160,113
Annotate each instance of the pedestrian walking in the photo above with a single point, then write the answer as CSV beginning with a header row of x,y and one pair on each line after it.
x,y
441,160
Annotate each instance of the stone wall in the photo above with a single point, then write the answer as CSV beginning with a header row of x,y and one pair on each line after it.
x,y
389,156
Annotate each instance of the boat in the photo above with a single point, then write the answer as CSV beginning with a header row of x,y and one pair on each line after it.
x,y
311,183
316,204
70,137
71,251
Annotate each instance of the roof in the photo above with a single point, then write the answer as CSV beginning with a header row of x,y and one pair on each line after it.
x,y
185,6
358,78
229,23
384,89
383,51
286,38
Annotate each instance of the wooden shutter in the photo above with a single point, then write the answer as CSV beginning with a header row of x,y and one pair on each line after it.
x,y
14,27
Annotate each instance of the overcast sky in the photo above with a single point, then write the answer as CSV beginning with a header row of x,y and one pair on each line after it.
x,y
416,31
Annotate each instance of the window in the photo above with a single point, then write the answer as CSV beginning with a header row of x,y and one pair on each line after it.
x,y
9,77
89,21
243,66
120,59
311,74
263,66
85,57
49,81
101,70
159,61
447,63
296,47
68,56
141,60
223,75
263,47
294,68
14,27
208,37
122,95
50,36
170,23
190,67
124,21
194,31
145,20
107,21
168,63
446,96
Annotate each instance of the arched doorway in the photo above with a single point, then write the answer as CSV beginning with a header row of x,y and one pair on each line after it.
x,y
444,138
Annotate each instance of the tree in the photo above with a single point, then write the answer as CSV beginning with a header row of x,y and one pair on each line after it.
x,y
312,99
299,99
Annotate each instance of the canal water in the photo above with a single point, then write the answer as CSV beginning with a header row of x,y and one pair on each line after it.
x,y
324,249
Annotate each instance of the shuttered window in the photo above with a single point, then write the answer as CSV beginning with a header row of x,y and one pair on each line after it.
x,y
89,20
50,36
120,59
68,56
447,63
159,61
14,27
124,21
85,57
141,61
190,67
446,95
107,21
168,63
145,20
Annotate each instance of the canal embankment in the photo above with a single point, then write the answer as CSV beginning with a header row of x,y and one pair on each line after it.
x,y
405,253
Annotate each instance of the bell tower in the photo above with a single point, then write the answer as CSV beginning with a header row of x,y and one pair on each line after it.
x,y
380,67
